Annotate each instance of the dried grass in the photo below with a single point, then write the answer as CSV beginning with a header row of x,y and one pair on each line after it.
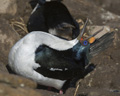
x,y
19,26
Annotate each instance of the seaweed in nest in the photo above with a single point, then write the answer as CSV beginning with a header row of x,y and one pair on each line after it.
x,y
19,26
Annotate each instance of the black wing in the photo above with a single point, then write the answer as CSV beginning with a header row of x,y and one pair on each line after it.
x,y
58,65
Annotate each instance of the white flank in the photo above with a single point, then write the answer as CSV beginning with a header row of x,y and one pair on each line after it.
x,y
22,56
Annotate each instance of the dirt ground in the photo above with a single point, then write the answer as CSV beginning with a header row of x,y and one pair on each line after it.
x,y
105,79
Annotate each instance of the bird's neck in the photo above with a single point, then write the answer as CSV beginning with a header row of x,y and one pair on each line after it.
x,y
42,38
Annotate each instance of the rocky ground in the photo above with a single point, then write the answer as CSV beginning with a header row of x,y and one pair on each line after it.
x,y
103,81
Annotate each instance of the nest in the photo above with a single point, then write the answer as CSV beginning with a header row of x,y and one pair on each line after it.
x,y
19,26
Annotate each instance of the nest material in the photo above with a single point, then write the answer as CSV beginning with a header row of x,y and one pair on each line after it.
x,y
19,26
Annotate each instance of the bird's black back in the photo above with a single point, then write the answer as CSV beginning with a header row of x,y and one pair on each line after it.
x,y
63,61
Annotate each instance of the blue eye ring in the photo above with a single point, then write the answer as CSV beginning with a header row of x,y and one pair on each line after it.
x,y
85,43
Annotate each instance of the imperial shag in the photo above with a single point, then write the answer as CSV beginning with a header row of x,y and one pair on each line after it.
x,y
50,60
53,17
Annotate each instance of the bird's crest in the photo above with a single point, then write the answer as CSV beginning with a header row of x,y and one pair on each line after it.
x,y
90,39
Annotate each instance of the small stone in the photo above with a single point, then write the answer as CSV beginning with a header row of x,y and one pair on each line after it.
x,y
116,29
22,85
117,63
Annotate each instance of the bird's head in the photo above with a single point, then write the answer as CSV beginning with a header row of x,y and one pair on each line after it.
x,y
63,30
82,48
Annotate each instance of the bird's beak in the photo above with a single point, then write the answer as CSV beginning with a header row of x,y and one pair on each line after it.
x,y
83,30
95,34
91,38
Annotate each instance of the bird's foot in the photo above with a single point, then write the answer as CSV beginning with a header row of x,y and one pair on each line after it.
x,y
60,92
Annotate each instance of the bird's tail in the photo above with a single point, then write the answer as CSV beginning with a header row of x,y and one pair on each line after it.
x,y
101,43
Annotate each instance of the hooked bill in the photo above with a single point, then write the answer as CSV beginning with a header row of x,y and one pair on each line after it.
x,y
90,39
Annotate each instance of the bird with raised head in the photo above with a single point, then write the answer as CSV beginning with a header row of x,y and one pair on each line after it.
x,y
51,61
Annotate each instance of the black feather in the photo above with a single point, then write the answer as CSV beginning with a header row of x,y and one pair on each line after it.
x,y
60,64
101,43
50,15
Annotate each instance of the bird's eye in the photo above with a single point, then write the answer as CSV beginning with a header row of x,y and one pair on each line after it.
x,y
85,43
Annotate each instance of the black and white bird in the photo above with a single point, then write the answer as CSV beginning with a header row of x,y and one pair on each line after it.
x,y
50,60
52,16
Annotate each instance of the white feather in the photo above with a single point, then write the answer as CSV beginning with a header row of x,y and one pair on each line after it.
x,y
22,56
37,5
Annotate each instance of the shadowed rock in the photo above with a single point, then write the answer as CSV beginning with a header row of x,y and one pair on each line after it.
x,y
8,37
